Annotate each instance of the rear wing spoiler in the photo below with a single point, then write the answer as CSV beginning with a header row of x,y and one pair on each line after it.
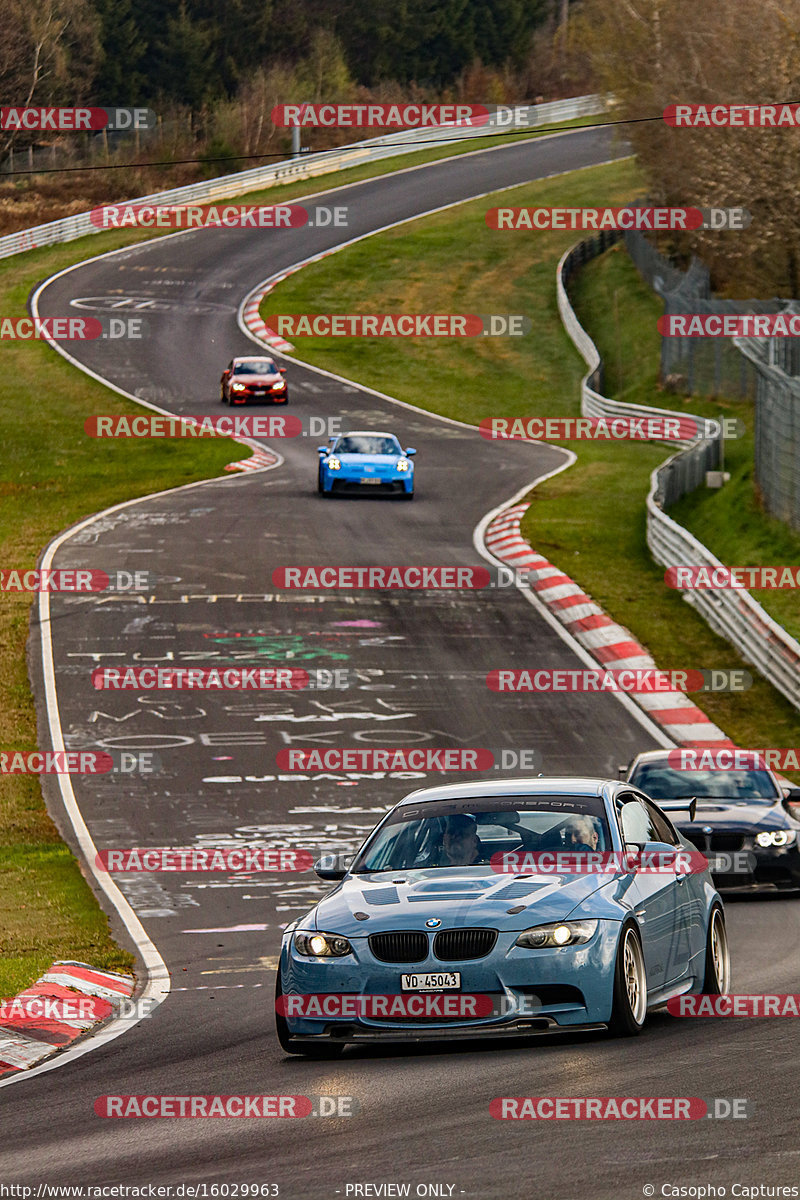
x,y
674,806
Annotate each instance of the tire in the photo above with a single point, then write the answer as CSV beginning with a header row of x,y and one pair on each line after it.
x,y
290,1045
407,496
319,482
629,1008
222,399
717,977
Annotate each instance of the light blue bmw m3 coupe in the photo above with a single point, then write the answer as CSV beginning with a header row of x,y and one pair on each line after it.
x,y
503,908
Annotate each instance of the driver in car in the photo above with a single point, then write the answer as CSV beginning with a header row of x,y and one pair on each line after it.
x,y
580,833
461,846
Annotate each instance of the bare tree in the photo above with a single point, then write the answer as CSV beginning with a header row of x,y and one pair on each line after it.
x,y
653,53
48,53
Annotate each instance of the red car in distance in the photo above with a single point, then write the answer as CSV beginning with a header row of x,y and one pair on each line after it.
x,y
253,379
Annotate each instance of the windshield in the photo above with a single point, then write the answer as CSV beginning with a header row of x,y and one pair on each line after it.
x,y
262,366
366,443
667,783
459,833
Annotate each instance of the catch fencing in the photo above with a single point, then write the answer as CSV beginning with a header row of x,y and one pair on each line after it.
x,y
733,614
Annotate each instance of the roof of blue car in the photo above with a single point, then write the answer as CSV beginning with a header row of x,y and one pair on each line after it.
x,y
512,787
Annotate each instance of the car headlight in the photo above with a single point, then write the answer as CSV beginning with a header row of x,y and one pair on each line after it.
x,y
403,464
279,386
322,945
776,837
560,933
333,464
238,387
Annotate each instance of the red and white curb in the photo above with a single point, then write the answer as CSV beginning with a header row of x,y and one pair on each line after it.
x,y
610,644
254,322
258,460
249,314
25,1039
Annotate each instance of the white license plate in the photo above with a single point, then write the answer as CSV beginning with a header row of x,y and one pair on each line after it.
x,y
432,981
370,480
259,391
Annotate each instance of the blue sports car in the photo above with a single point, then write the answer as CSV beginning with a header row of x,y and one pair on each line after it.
x,y
366,461
503,908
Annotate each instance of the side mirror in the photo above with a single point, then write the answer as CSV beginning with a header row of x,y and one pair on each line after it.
x,y
622,770
282,370
333,867
633,850
322,449
410,452
791,800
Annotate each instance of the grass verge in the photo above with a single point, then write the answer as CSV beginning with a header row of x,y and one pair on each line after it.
x,y
590,519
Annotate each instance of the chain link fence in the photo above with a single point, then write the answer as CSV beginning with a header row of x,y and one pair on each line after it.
x,y
764,370
734,613
777,434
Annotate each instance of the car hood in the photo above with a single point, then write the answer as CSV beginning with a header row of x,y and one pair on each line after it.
x,y
737,816
457,896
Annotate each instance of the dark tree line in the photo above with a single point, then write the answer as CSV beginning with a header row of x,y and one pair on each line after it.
x,y
200,50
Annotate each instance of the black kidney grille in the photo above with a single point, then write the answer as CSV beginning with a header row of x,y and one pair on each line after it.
x,y
403,946
726,841
455,945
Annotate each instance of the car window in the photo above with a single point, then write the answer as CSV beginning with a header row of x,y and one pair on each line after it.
x,y
262,367
664,831
636,821
367,444
663,782
415,836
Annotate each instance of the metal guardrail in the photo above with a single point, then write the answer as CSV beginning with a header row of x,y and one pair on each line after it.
x,y
305,167
733,613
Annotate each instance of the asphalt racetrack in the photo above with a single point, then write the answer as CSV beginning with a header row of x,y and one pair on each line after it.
x,y
416,664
